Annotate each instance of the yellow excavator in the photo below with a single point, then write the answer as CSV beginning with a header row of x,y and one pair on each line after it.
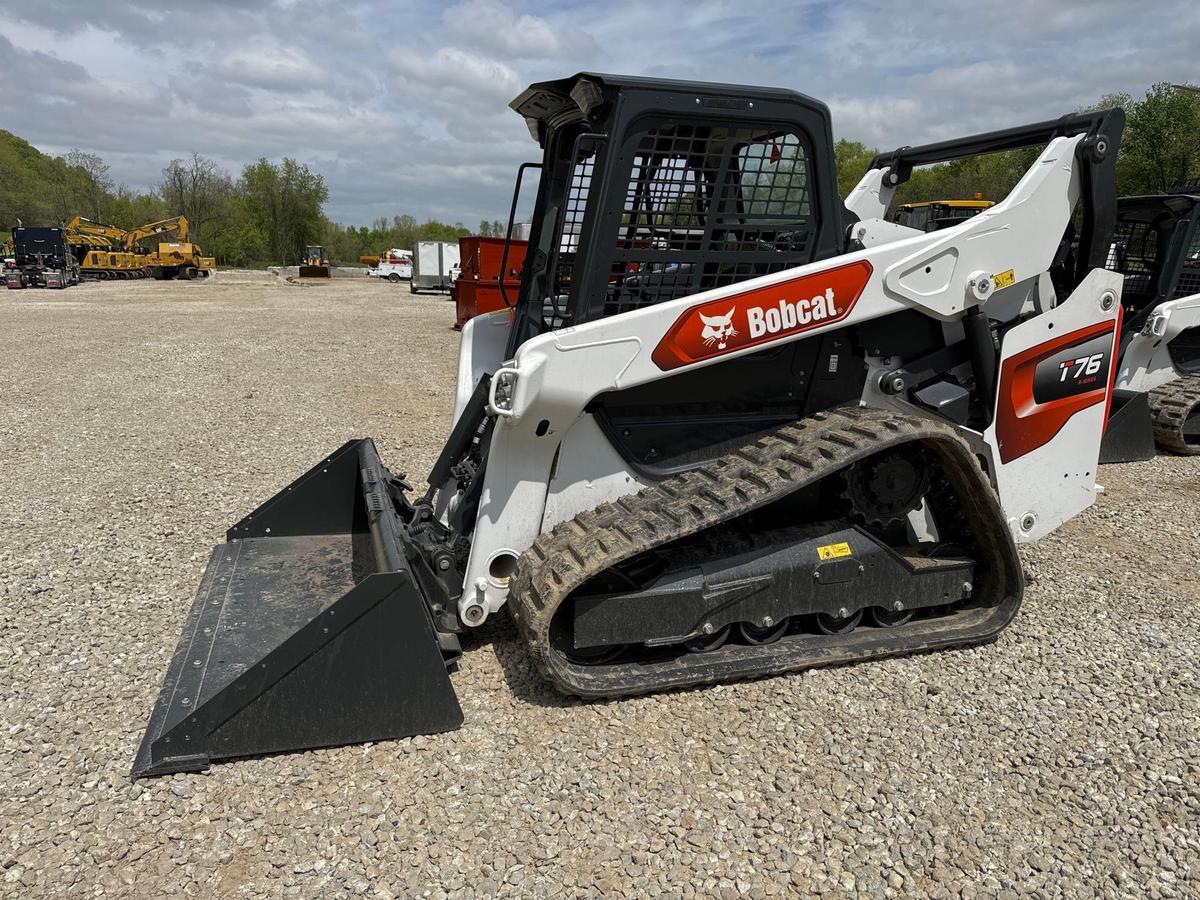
x,y
172,259
101,251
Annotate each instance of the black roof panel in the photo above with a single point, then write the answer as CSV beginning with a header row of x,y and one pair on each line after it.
x,y
547,99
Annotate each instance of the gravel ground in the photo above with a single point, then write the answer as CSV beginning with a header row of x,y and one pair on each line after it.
x,y
139,420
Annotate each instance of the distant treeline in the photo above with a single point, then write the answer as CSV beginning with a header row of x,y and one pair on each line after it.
x,y
272,210
265,216
1159,150
346,243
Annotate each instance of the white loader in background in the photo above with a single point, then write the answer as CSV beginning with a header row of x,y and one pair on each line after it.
x,y
1156,246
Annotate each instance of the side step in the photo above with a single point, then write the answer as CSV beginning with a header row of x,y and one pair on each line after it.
x,y
308,630
1129,432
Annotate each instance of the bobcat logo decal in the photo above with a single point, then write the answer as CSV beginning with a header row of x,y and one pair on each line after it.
x,y
761,315
718,329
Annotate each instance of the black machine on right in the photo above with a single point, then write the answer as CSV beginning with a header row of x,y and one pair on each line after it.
x,y
1156,246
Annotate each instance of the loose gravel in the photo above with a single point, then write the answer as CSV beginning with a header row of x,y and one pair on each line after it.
x,y
141,419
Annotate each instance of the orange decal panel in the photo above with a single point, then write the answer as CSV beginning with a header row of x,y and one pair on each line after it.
x,y
1043,387
762,315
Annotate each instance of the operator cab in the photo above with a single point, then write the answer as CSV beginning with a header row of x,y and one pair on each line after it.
x,y
652,190
1156,246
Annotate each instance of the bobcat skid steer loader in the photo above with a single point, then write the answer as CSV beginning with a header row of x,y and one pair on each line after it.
x,y
1156,246
730,427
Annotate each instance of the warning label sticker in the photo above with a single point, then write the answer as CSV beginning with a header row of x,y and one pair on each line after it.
x,y
833,551
1004,279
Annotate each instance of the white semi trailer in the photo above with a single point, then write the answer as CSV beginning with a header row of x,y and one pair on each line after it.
x,y
432,262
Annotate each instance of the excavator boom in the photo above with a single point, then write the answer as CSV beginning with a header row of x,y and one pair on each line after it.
x,y
177,225
110,234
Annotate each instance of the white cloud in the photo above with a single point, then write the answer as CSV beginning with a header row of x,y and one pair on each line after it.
x,y
403,107
459,70
275,68
502,31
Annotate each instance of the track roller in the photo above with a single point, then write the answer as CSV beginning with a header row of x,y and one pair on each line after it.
x,y
706,643
762,634
889,618
827,624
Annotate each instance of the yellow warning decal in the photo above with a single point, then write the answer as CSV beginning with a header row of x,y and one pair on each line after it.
x,y
1004,279
833,551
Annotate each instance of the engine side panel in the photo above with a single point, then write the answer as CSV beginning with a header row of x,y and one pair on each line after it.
x,y
1046,442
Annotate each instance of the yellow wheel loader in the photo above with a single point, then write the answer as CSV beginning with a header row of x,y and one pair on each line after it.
x,y
930,215
315,264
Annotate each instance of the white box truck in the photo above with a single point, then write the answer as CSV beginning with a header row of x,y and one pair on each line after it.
x,y
432,262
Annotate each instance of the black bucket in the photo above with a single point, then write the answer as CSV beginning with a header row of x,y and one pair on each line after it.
x,y
1129,432
308,630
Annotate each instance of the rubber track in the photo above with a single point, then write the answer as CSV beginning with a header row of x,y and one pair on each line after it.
x,y
1169,409
751,475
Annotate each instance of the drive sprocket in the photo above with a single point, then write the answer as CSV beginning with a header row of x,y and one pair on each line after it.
x,y
882,490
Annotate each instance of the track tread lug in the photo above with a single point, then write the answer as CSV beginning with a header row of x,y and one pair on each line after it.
x,y
1169,409
748,476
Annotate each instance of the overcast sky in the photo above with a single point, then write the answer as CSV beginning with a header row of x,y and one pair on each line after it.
x,y
402,106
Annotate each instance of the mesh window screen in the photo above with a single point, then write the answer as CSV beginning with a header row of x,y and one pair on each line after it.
x,y
707,206
570,228
1135,254
1189,273
1134,249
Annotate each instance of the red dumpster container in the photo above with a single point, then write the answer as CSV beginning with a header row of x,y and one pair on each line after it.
x,y
477,289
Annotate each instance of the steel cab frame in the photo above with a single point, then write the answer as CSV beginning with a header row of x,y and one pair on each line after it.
x,y
593,126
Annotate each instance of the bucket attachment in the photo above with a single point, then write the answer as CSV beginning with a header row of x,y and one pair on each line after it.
x,y
308,630
1129,434
314,272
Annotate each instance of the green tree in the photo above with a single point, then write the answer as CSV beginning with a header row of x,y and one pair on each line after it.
x,y
91,182
853,159
404,232
128,209
1161,146
282,203
988,177
200,190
